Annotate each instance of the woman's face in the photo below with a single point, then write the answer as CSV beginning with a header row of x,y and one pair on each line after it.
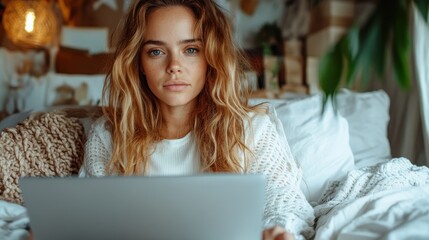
x,y
172,57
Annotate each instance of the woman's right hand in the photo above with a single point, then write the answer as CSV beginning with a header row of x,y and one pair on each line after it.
x,y
30,235
276,233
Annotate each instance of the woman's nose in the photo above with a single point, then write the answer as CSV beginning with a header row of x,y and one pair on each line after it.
x,y
174,65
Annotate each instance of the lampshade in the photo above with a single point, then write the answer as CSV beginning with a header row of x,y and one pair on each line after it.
x,y
30,22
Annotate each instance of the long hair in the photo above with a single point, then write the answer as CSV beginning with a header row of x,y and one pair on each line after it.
x,y
132,110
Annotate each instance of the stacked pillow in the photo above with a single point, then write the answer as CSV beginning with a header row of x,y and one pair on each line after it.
x,y
368,117
328,145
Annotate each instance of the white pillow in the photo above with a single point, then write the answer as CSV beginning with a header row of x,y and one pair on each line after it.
x,y
368,117
319,143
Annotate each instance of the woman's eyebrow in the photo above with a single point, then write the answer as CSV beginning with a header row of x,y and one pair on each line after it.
x,y
161,43
154,42
194,40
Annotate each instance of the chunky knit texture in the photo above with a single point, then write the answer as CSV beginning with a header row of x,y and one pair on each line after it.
x,y
47,144
285,203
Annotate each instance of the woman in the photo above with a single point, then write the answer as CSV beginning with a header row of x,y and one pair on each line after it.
x,y
176,105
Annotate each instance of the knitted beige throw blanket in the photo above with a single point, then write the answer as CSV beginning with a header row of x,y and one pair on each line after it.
x,y
49,144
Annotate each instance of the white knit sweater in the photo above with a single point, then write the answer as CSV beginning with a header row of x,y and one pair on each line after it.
x,y
285,204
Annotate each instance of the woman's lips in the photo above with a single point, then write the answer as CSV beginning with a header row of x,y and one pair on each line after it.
x,y
176,86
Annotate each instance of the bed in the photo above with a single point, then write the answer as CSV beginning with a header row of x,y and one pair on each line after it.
x,y
358,191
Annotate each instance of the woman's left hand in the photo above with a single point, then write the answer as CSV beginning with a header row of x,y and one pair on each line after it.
x,y
276,233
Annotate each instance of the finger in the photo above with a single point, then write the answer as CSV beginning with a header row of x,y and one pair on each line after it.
x,y
284,236
281,237
271,233
266,235
277,231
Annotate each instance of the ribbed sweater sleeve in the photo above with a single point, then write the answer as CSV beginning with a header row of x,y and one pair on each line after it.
x,y
98,150
285,204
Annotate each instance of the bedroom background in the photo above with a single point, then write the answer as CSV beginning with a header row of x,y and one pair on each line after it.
x,y
284,40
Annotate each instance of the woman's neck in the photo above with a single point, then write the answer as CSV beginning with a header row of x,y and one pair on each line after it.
x,y
176,122
169,131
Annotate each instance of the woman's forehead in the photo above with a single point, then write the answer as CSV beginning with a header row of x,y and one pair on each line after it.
x,y
172,21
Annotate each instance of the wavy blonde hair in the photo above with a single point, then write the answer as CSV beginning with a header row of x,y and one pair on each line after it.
x,y
132,110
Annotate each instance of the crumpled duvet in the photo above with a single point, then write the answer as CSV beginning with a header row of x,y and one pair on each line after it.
x,y
14,221
386,201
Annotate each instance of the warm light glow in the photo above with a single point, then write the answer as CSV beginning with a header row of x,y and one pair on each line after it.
x,y
29,20
30,23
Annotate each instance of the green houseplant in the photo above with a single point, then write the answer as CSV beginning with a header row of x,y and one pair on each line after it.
x,y
366,49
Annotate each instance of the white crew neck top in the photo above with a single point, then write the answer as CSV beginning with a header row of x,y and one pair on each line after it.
x,y
285,204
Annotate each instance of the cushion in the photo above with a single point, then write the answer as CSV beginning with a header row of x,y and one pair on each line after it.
x,y
48,144
319,143
368,116
85,114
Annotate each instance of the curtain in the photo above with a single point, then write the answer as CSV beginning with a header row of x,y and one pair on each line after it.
x,y
408,130
421,60
405,126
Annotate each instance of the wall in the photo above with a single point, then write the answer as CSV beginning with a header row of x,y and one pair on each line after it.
x,y
246,26
89,13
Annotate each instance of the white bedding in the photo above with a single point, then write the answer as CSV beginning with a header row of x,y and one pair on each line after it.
x,y
13,221
386,201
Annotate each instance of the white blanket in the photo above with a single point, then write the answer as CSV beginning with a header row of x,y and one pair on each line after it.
x,y
386,201
13,221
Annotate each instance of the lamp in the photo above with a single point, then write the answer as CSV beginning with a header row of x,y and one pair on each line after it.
x,y
30,23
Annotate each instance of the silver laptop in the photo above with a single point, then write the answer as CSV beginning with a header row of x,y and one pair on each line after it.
x,y
209,207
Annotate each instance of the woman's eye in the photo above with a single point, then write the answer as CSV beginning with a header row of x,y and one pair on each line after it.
x,y
192,51
155,52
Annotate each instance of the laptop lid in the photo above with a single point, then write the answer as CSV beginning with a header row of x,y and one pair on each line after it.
x,y
210,207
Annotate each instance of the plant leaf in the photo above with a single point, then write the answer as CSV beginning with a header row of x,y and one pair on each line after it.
x,y
352,69
330,71
400,27
369,39
381,45
350,46
400,47
401,67
353,39
423,7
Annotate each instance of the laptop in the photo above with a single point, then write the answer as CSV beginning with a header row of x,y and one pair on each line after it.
x,y
209,207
